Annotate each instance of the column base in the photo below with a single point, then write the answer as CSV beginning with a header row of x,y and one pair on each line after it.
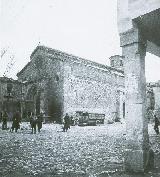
x,y
138,160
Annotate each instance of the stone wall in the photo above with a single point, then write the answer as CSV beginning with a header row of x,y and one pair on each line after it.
x,y
90,89
153,100
11,102
45,75
65,83
141,7
16,87
153,92
156,91
116,61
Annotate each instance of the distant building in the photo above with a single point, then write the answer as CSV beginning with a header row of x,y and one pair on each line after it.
x,y
153,98
10,95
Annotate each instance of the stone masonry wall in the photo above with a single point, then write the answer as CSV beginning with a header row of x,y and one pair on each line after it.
x,y
11,104
90,89
72,84
46,73
156,91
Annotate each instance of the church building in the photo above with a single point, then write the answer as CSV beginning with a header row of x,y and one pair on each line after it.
x,y
56,83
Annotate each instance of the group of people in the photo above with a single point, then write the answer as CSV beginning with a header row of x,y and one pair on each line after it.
x,y
16,119
36,122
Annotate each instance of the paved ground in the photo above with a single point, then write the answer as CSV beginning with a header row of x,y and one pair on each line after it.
x,y
81,152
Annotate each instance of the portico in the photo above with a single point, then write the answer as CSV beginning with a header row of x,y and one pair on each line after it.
x,y
139,29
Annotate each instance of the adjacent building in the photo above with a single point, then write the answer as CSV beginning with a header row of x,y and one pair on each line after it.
x,y
10,95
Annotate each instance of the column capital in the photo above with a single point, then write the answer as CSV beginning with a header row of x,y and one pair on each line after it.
x,y
132,36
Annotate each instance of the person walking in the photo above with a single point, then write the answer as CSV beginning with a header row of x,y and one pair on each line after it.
x,y
156,128
16,121
66,122
39,121
4,120
1,116
33,122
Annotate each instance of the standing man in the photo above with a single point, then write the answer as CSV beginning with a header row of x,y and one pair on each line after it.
x,y
16,121
0,116
4,120
66,122
156,128
33,122
39,121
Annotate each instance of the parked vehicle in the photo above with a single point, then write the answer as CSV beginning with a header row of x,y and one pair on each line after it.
x,y
90,119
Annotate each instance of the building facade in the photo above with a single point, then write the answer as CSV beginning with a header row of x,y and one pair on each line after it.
x,y
56,83
10,96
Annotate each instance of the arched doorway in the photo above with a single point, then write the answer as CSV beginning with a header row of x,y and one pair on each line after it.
x,y
33,100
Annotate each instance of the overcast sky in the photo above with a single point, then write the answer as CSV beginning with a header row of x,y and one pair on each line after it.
x,y
85,28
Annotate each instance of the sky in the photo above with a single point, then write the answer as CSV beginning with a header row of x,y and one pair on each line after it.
x,y
84,28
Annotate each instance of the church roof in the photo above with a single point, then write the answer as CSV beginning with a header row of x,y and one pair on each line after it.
x,y
65,56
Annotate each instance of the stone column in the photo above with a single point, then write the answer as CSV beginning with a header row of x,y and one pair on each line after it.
x,y
137,141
